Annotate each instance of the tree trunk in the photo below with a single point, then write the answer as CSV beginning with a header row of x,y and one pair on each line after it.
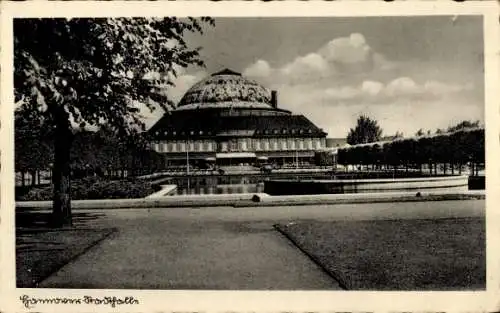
x,y
23,182
61,177
33,178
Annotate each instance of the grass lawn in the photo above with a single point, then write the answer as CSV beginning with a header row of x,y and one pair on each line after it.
x,y
440,254
41,251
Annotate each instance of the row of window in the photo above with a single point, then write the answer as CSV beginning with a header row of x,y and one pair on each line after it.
x,y
248,144
266,132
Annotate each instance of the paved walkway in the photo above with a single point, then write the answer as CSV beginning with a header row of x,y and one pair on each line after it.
x,y
222,248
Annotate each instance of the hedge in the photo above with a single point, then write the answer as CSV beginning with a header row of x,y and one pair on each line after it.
x,y
94,188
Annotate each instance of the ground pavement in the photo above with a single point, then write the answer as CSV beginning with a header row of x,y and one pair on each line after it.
x,y
222,247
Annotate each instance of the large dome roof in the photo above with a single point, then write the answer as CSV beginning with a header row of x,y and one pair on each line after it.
x,y
226,89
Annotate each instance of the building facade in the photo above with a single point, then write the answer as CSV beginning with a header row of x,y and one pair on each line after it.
x,y
227,119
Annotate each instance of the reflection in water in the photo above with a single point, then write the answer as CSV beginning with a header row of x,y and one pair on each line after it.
x,y
221,189
218,185
238,184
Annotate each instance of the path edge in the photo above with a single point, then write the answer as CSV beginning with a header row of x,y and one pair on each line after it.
x,y
335,276
112,231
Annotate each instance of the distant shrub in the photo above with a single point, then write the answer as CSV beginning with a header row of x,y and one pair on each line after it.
x,y
156,187
95,188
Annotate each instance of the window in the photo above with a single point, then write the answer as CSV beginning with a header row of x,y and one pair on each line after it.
x,y
266,144
223,146
309,144
243,146
257,145
275,144
317,143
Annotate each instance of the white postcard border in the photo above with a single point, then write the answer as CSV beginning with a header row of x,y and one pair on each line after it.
x,y
255,301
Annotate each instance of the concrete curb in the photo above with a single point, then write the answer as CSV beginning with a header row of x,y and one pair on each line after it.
x,y
264,200
165,190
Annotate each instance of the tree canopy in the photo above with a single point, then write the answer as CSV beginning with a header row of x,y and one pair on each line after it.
x,y
457,148
366,130
94,71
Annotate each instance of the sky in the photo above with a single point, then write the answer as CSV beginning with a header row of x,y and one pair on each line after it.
x,y
406,72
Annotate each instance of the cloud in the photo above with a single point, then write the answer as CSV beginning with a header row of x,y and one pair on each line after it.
x,y
337,58
401,104
375,92
306,67
372,88
336,109
258,69
347,50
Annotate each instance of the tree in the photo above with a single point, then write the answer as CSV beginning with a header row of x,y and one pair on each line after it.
x,y
398,135
33,151
94,72
366,130
464,125
419,133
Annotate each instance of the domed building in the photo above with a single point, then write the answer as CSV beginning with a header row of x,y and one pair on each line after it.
x,y
228,119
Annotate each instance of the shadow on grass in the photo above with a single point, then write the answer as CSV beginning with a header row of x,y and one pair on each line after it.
x,y
41,251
